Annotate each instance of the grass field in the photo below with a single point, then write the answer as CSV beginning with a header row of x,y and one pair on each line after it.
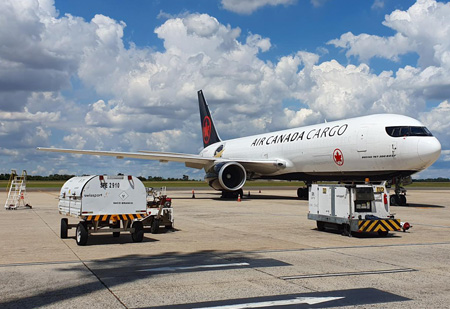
x,y
201,184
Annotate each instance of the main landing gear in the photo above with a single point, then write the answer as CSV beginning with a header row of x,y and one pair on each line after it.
x,y
302,193
232,194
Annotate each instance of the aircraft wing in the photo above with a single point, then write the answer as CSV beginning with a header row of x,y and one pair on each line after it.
x,y
190,160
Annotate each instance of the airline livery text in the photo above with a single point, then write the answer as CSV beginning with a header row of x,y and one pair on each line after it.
x,y
299,136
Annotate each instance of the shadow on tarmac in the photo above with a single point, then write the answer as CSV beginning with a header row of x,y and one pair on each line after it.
x,y
358,235
419,206
105,274
255,196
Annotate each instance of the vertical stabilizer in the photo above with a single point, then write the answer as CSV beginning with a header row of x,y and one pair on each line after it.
x,y
209,132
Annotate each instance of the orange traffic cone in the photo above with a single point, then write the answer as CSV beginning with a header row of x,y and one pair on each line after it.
x,y
239,198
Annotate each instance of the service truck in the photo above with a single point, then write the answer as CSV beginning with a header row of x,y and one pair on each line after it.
x,y
111,204
352,208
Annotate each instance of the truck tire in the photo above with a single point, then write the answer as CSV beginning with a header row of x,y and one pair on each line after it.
x,y
155,226
82,234
168,226
320,226
64,228
116,226
383,233
138,234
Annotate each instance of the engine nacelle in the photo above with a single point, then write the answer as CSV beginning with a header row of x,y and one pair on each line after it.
x,y
229,176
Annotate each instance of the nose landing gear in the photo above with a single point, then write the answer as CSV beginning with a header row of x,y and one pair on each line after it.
x,y
399,198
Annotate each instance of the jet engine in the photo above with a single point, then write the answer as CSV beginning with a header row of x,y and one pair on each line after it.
x,y
229,176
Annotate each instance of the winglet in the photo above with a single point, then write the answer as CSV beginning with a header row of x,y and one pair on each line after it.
x,y
209,133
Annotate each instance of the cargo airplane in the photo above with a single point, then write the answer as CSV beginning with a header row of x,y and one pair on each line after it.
x,y
379,147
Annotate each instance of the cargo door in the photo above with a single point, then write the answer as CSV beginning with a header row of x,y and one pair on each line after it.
x,y
342,202
313,199
361,142
325,202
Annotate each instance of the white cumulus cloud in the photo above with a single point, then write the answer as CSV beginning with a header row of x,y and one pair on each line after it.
x,y
144,99
249,6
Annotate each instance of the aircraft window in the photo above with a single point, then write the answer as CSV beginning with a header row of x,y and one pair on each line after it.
x,y
407,131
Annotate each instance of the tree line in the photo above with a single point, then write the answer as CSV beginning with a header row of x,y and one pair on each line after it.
x,y
65,177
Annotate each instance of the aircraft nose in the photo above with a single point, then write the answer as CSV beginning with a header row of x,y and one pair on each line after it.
x,y
429,150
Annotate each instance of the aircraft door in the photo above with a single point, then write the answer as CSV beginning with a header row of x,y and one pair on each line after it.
x,y
361,142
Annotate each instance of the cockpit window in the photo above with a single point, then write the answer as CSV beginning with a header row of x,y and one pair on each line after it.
x,y
407,131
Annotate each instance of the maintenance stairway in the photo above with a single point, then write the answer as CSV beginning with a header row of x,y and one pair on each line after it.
x,y
16,191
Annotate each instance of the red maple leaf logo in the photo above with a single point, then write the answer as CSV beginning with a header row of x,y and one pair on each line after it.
x,y
338,157
206,129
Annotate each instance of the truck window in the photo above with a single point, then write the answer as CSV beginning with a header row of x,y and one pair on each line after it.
x,y
363,199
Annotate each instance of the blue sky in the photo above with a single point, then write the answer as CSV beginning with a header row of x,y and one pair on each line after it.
x,y
123,75
300,26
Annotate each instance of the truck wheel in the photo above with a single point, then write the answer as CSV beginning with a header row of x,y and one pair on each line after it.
x,y
320,226
82,234
155,226
64,228
169,226
346,230
138,234
116,226
383,233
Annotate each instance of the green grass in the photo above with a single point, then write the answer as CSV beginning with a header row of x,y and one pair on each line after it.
x,y
429,185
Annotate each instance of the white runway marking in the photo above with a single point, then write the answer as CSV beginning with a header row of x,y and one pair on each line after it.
x,y
286,302
167,269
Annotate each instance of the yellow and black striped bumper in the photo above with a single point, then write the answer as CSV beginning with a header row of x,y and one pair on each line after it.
x,y
128,217
382,225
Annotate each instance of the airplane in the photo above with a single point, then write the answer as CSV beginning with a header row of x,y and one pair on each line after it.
x,y
381,147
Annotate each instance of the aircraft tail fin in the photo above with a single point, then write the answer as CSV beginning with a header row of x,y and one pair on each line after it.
x,y
209,133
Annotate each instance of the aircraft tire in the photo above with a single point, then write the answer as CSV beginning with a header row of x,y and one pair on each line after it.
x,y
402,200
394,200
82,234
64,228
302,193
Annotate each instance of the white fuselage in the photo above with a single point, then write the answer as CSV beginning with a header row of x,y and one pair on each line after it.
x,y
345,149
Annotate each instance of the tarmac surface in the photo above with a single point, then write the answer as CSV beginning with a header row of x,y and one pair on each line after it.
x,y
260,252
